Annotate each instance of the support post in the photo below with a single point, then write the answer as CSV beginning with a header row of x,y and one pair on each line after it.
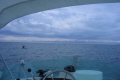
x,y
7,67
74,61
22,65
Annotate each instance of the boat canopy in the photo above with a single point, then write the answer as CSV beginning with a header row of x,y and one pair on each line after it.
x,y
13,9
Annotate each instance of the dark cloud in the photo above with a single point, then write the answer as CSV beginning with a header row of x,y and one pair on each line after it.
x,y
88,22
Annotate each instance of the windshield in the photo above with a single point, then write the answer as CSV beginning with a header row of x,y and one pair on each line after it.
x,y
52,39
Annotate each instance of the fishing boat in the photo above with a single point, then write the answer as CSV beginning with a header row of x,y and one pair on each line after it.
x,y
13,9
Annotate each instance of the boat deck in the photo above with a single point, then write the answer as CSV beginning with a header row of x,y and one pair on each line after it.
x,y
110,71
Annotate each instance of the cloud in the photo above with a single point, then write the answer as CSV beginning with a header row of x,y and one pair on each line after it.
x,y
37,39
98,22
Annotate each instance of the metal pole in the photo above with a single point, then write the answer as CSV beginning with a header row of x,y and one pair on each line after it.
x,y
7,67
22,65
32,75
29,70
24,72
74,61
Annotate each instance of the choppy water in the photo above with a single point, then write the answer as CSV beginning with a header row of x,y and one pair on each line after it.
x,y
104,53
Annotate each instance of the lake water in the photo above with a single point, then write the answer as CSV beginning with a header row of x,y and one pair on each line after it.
x,y
103,57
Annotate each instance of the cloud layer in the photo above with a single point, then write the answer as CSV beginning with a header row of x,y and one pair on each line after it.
x,y
87,23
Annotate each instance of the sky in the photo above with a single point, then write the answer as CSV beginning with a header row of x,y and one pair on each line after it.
x,y
95,23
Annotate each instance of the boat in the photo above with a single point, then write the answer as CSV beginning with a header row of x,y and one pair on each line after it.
x,y
13,9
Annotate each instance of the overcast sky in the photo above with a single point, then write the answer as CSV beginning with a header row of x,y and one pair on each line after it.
x,y
86,23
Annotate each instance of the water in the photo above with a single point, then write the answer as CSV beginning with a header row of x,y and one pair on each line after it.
x,y
13,52
101,57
